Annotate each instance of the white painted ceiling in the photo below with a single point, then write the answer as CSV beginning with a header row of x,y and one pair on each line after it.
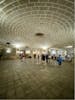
x,y
20,20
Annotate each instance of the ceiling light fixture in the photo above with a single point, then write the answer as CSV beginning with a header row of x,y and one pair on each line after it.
x,y
8,43
39,34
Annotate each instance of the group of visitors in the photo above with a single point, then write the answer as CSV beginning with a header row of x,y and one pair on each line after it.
x,y
46,58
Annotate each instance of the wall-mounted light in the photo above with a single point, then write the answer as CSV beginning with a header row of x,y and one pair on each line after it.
x,y
21,52
53,52
44,47
27,51
18,45
35,51
17,52
69,46
8,50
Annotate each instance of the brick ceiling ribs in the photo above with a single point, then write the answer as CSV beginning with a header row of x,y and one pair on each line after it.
x,y
20,20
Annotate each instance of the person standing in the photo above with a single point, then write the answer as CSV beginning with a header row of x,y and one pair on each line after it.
x,y
59,60
46,58
34,55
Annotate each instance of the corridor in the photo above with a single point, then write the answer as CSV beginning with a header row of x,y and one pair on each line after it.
x,y
37,49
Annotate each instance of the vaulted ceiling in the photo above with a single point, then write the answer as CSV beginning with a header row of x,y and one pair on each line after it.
x,y
21,20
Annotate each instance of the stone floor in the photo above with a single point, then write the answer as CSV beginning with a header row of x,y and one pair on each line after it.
x,y
28,80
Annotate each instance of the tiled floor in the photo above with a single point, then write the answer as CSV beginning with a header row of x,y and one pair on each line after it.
x,y
26,79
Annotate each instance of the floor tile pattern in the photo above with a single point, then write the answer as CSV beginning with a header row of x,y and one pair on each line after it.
x,y
30,80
